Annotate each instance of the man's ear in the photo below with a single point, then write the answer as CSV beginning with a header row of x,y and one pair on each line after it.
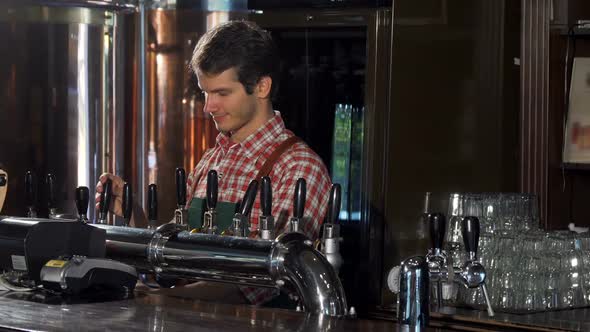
x,y
263,87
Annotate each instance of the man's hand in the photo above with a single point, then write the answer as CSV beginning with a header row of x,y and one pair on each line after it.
x,y
117,193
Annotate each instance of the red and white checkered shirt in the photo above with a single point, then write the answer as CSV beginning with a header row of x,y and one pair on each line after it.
x,y
238,163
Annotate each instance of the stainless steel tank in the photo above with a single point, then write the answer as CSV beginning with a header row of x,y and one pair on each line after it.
x,y
61,95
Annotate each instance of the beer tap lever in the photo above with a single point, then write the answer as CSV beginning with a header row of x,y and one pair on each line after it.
x,y
334,204
266,220
152,206
436,258
266,196
473,274
415,276
210,217
180,214
105,201
180,187
331,235
249,198
50,183
470,230
212,189
127,202
298,205
82,197
30,194
241,225
438,224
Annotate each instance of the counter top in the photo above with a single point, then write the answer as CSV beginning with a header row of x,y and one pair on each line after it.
x,y
559,320
154,312
478,320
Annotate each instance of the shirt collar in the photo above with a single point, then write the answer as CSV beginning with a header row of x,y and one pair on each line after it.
x,y
258,141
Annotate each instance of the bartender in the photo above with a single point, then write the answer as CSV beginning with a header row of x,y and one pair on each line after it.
x,y
236,64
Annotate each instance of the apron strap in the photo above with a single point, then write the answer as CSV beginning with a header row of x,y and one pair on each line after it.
x,y
272,159
269,163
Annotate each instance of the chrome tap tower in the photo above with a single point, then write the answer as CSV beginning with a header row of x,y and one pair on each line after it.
x,y
417,273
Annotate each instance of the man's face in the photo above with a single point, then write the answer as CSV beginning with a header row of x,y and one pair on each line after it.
x,y
232,109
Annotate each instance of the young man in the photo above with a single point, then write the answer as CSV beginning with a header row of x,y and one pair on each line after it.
x,y
236,64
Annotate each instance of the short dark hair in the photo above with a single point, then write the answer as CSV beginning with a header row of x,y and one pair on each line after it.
x,y
241,45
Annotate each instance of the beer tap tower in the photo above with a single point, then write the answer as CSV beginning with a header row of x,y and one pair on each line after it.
x,y
170,252
417,272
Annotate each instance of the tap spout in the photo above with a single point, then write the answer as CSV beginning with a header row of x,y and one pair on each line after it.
x,y
294,259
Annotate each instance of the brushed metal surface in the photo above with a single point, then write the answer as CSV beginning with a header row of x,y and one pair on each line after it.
x,y
60,100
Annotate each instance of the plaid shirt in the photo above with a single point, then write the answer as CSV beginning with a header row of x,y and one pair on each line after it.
x,y
238,163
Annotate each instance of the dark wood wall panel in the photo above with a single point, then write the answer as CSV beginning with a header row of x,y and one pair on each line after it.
x,y
562,191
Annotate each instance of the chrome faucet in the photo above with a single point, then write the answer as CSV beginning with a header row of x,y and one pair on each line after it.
x,y
330,242
418,272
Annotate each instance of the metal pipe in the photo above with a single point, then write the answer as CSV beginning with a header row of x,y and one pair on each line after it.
x,y
125,5
171,251
142,132
295,260
129,245
289,258
223,253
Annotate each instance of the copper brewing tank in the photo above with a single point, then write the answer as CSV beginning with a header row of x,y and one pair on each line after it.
x,y
177,130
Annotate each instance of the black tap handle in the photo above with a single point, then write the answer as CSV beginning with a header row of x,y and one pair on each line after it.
x,y
334,204
212,189
152,202
30,192
127,201
470,228
82,197
249,198
266,197
50,182
438,224
105,197
299,201
180,186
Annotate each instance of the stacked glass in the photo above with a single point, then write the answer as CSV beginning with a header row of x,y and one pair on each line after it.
x,y
528,269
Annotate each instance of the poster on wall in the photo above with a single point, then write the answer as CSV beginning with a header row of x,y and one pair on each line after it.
x,y
577,134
